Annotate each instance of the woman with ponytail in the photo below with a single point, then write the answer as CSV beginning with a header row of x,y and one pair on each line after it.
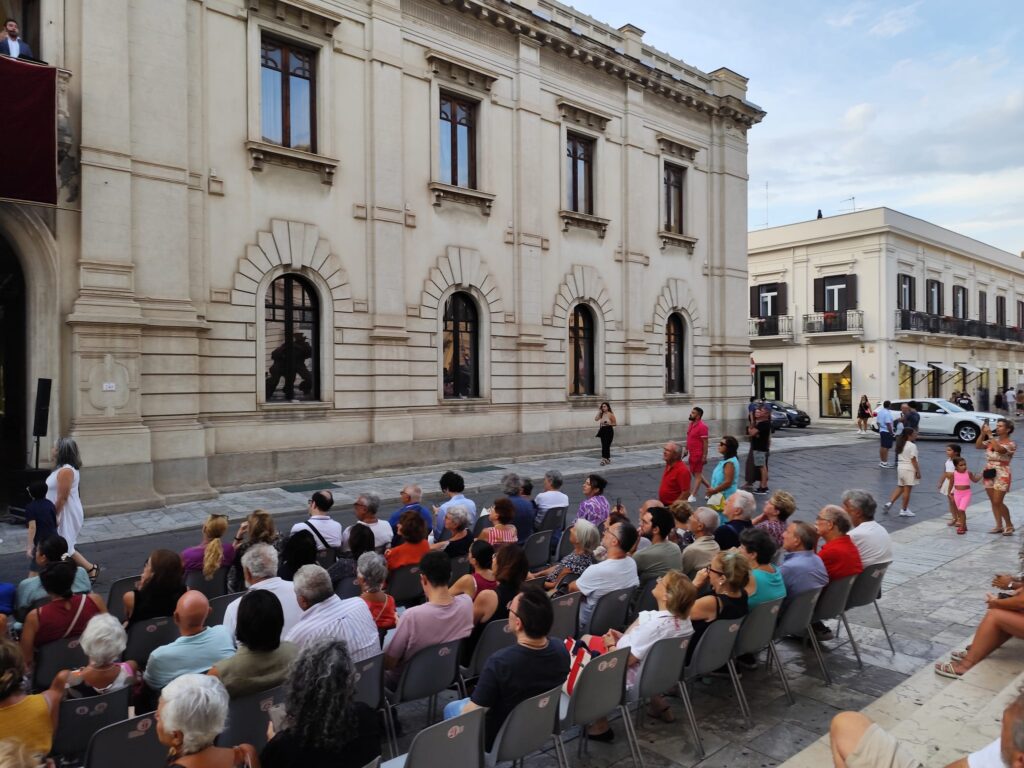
x,y
908,471
28,720
212,553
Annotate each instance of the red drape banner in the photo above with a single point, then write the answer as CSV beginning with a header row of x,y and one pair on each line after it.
x,y
28,131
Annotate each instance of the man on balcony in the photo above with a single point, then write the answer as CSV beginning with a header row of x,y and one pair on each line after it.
x,y
14,46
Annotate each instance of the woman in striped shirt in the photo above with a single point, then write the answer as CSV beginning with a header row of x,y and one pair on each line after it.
x,y
503,531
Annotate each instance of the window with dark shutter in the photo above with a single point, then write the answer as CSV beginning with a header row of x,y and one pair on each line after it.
x,y
983,306
819,294
1000,310
755,301
959,302
781,300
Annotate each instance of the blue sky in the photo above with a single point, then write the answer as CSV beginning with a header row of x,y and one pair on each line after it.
x,y
916,106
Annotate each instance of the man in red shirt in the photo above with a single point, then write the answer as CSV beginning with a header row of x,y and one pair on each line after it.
x,y
839,552
697,450
675,480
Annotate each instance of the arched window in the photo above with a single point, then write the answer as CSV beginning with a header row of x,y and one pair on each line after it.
x,y
581,345
292,361
461,347
675,355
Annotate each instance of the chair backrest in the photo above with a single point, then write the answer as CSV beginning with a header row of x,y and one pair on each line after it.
x,y
484,521
458,741
347,588
144,637
429,671
598,688
527,727
567,615
325,558
538,549
127,743
645,600
115,596
833,599
867,586
496,635
664,662
375,763
758,628
404,585
51,658
460,567
79,719
213,587
611,611
796,613
564,547
714,649
248,718
370,681
219,605
554,519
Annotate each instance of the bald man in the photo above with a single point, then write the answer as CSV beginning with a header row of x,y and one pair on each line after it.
x,y
197,648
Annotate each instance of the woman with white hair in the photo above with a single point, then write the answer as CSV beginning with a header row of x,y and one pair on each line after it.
x,y
192,712
372,574
62,490
457,522
585,538
103,641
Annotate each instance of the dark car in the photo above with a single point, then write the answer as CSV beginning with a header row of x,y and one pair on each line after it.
x,y
779,419
794,416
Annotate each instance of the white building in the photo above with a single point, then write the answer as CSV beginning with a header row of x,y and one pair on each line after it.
x,y
881,304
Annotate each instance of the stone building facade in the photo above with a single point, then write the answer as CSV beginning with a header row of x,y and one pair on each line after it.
x,y
882,304
303,237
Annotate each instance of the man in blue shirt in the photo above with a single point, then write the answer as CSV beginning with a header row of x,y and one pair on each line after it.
x,y
801,568
452,485
525,511
886,434
411,496
197,649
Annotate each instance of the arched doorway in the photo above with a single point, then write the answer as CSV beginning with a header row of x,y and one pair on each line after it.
x,y
12,367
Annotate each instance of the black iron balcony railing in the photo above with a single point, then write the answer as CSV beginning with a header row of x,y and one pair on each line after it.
x,y
847,321
925,322
778,325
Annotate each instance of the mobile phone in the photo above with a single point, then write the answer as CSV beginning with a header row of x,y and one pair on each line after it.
x,y
618,501
1003,595
277,716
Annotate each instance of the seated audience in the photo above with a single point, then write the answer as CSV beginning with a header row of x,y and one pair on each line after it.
x,y
675,595
696,556
324,725
212,553
366,508
411,496
481,558
681,513
259,569
41,517
258,528
872,540
372,577
360,540
726,578
551,497
14,754
802,570
739,509
298,550
28,719
327,616
584,538
103,642
656,523
325,530
533,665
839,553
414,544
452,486
595,507
157,592
1003,620
262,660
440,619
66,615
197,648
523,509
777,510
192,713
502,531
456,524
766,582
616,571
526,490
510,571
30,590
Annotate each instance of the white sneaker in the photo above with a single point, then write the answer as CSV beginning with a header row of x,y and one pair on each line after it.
x,y
906,513
883,465
691,499
885,507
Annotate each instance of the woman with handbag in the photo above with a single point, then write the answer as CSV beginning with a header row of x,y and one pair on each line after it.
x,y
605,431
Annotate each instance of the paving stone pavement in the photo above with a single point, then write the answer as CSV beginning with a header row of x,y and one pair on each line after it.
x,y
932,597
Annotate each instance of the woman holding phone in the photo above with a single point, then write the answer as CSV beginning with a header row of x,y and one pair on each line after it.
x,y
606,431
999,449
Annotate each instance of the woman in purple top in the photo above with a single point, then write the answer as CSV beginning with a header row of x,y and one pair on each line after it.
x,y
212,553
595,507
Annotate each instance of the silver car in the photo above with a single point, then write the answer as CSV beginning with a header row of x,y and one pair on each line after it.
x,y
942,418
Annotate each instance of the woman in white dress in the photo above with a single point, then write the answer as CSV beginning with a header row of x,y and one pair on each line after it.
x,y
62,490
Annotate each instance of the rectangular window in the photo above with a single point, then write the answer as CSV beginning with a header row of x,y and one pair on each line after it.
x,y
767,295
983,306
458,141
579,175
933,293
1000,310
288,95
905,292
835,294
1020,314
959,302
674,176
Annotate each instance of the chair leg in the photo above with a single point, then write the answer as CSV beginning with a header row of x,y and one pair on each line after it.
x,y
853,640
560,756
634,742
389,725
740,695
773,655
817,652
684,694
884,628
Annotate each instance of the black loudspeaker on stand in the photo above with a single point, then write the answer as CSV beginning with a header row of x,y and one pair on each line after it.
x,y
42,418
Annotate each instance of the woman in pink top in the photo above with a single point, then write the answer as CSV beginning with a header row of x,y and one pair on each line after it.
x,y
503,531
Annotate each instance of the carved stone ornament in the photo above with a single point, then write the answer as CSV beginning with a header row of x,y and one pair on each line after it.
x,y
464,195
454,70
579,115
584,221
261,153
677,240
677,148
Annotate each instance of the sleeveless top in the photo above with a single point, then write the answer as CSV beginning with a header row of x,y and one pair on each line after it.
x,y
72,515
57,619
505,594
383,613
151,604
29,722
718,477
77,685
499,537
728,608
483,583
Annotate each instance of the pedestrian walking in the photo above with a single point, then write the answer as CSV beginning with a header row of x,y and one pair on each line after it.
x,y
863,414
62,490
996,477
886,434
697,451
960,492
1011,403
605,431
946,480
908,471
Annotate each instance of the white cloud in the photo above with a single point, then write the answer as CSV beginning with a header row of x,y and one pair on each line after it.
x,y
847,17
896,22
859,116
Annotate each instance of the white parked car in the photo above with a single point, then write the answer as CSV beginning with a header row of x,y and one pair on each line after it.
x,y
942,418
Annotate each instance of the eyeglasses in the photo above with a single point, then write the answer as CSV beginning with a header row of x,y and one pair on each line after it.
x,y
712,570
508,607
359,504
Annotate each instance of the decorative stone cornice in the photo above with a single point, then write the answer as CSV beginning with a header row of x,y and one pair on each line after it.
x,y
678,240
460,71
584,221
261,153
302,14
580,115
677,147
464,195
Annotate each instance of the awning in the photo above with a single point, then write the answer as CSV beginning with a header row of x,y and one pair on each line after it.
x,y
944,368
915,365
969,368
831,368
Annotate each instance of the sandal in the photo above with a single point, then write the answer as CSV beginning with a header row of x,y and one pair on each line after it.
x,y
1008,531
951,523
665,714
961,530
959,655
996,530
946,669
94,572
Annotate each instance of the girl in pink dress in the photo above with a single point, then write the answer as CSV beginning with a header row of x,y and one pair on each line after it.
x,y
960,492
